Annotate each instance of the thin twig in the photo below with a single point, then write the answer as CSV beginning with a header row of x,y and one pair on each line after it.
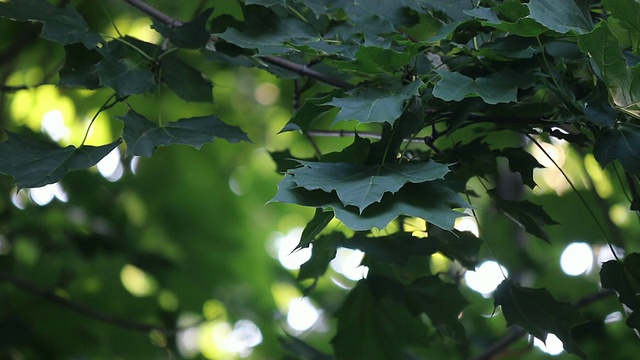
x,y
516,333
84,309
280,62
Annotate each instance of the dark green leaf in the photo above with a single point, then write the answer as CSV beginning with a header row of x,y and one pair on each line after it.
x,y
500,87
377,60
34,163
561,16
431,201
375,105
188,83
63,25
124,76
536,311
397,248
362,185
320,221
191,35
322,252
517,23
622,143
455,9
300,348
628,12
375,328
143,136
526,214
624,278
355,153
440,301
80,68
311,109
522,162
462,246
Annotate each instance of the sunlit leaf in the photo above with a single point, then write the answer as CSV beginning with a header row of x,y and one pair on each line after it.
x,y
63,25
621,143
441,302
190,35
362,185
143,136
375,105
34,163
536,311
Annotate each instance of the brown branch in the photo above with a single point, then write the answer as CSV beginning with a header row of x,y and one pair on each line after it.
x,y
280,62
84,309
517,332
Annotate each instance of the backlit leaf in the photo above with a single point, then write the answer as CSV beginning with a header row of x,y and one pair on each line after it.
x,y
188,83
320,221
123,75
323,251
537,312
35,163
143,136
363,185
396,248
624,278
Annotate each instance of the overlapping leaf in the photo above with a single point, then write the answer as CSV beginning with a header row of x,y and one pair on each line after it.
x,y
63,25
500,87
431,201
143,136
191,35
34,163
184,80
363,185
536,311
375,105
562,16
621,80
624,278
530,216
622,143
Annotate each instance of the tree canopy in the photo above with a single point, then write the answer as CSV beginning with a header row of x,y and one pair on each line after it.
x,y
304,179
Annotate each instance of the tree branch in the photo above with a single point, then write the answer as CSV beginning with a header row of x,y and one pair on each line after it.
x,y
84,309
517,332
280,62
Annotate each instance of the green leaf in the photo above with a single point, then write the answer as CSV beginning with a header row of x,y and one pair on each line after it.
x,y
80,68
522,162
188,83
190,35
441,302
363,185
537,312
517,23
524,213
624,278
621,143
462,246
623,83
143,136
431,201
35,163
396,248
311,109
628,12
268,33
500,87
322,252
455,9
319,222
377,60
375,105
375,328
562,16
63,25
125,76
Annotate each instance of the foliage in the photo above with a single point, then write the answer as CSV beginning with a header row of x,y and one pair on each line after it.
x,y
409,119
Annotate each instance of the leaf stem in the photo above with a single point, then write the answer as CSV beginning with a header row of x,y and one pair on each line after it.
x,y
104,107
